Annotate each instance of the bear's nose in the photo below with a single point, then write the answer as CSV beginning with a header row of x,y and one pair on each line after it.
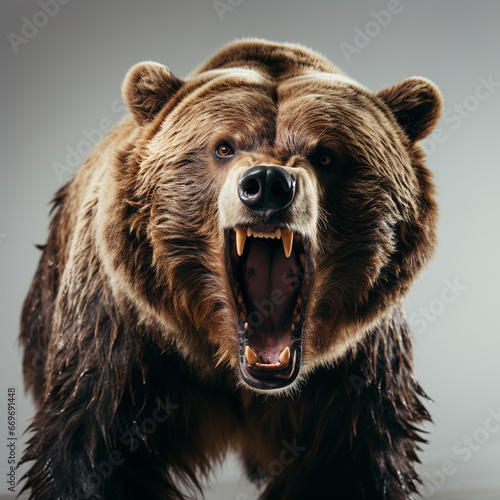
x,y
268,189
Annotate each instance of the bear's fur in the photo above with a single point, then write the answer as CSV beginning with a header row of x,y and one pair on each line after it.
x,y
145,362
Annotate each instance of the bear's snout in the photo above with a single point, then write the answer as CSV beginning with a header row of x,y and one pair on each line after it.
x,y
266,189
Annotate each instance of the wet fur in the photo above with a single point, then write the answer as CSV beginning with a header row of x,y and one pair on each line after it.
x,y
130,311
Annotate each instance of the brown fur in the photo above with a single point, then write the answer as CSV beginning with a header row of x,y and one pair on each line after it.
x,y
131,302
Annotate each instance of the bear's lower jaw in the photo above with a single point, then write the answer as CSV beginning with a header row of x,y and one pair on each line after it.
x,y
270,274
266,377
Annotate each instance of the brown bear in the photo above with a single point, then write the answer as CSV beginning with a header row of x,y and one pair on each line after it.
x,y
225,272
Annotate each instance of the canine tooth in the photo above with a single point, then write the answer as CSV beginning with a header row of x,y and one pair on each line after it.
x,y
241,236
287,236
249,231
278,233
245,326
250,355
284,358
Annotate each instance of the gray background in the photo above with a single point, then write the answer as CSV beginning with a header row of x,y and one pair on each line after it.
x,y
66,79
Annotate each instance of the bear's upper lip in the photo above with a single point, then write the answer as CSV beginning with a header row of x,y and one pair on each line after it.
x,y
268,270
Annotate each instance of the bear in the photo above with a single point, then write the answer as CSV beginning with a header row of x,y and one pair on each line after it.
x,y
226,272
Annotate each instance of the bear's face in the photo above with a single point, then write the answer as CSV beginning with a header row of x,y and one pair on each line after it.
x,y
285,208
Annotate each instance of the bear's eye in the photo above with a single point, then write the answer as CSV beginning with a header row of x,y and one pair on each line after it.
x,y
324,159
223,151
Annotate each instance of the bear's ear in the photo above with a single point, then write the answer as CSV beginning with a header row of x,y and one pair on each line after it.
x,y
416,104
146,89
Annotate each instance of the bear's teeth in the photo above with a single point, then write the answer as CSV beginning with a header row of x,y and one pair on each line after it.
x,y
263,235
296,310
250,355
241,236
287,237
284,358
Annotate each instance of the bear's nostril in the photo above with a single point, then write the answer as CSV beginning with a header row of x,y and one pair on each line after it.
x,y
252,187
278,189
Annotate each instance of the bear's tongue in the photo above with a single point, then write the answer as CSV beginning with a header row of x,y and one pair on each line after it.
x,y
271,280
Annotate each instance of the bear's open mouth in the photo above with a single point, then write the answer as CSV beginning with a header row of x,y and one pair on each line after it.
x,y
268,270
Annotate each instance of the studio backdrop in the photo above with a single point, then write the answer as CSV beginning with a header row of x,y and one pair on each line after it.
x,y
62,66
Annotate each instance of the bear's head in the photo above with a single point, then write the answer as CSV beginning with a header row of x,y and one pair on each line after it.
x,y
270,209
